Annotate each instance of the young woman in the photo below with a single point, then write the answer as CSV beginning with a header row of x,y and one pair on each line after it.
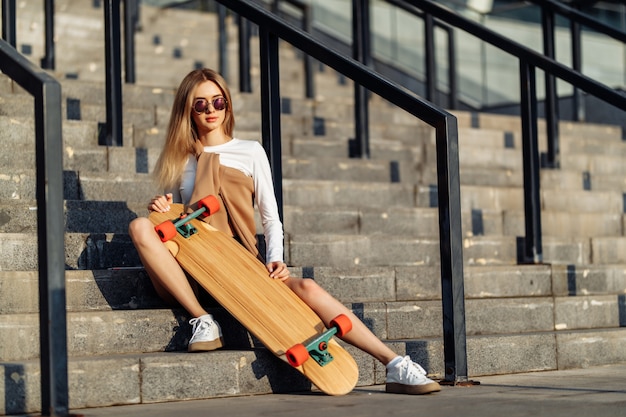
x,y
201,153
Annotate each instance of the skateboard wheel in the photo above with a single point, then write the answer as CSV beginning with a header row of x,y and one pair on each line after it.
x,y
211,204
342,323
166,230
297,355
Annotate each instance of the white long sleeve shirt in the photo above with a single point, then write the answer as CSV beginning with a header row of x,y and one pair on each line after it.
x,y
250,158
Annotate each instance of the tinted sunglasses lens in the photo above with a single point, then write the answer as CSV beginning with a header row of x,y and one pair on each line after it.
x,y
200,106
219,103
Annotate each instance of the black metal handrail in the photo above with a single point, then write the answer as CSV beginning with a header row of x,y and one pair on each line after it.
x,y
548,9
529,61
48,60
306,21
50,225
113,135
581,18
8,22
429,56
271,28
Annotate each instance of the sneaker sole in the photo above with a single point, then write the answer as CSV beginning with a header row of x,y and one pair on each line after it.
x,y
396,388
205,346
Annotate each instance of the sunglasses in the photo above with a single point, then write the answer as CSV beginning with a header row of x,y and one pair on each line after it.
x,y
201,105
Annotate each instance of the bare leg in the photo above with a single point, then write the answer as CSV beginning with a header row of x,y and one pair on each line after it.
x,y
168,278
327,308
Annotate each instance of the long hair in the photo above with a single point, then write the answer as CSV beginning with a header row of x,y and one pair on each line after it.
x,y
182,132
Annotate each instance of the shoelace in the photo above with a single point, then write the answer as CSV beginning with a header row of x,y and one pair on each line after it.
x,y
411,367
199,324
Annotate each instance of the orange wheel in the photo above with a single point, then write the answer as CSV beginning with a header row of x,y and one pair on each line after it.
x,y
342,323
297,355
166,230
211,204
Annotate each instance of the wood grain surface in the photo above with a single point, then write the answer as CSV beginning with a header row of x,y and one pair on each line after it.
x,y
266,307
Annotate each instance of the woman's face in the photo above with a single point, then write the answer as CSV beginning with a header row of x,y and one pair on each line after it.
x,y
204,99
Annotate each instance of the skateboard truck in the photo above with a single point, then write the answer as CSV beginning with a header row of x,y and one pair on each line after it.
x,y
317,348
168,229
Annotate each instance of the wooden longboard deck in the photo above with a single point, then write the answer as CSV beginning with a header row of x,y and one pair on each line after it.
x,y
266,307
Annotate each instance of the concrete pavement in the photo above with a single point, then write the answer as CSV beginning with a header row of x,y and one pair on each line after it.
x,y
597,391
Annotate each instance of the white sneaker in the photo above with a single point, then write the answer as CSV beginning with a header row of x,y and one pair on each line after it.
x,y
206,334
407,377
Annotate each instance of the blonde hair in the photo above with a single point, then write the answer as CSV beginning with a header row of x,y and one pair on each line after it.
x,y
182,132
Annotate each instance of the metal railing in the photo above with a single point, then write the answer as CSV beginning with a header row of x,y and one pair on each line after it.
x,y
529,61
549,8
271,28
50,225
306,22
429,57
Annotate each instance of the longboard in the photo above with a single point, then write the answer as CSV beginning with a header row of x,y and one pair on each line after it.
x,y
267,308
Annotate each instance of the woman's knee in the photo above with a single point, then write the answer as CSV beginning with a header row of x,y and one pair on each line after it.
x,y
140,228
306,287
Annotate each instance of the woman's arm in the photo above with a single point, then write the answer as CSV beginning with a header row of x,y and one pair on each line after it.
x,y
268,208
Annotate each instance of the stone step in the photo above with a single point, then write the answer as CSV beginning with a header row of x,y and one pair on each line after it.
x,y
507,178
345,251
594,164
342,193
20,216
336,250
111,250
82,251
576,142
80,134
94,333
141,331
592,140
121,292
508,198
155,377
423,222
130,288
101,217
567,224
82,154
99,186
509,123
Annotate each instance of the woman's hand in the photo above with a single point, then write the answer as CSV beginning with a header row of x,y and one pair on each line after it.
x,y
278,270
161,203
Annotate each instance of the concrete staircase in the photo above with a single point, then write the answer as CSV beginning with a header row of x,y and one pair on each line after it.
x,y
367,231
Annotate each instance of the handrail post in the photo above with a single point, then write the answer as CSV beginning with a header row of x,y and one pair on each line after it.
x,y
361,52
245,85
52,315
113,70
50,225
270,101
453,93
307,25
429,56
48,61
533,252
222,41
309,85
8,22
578,106
130,11
451,251
551,110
